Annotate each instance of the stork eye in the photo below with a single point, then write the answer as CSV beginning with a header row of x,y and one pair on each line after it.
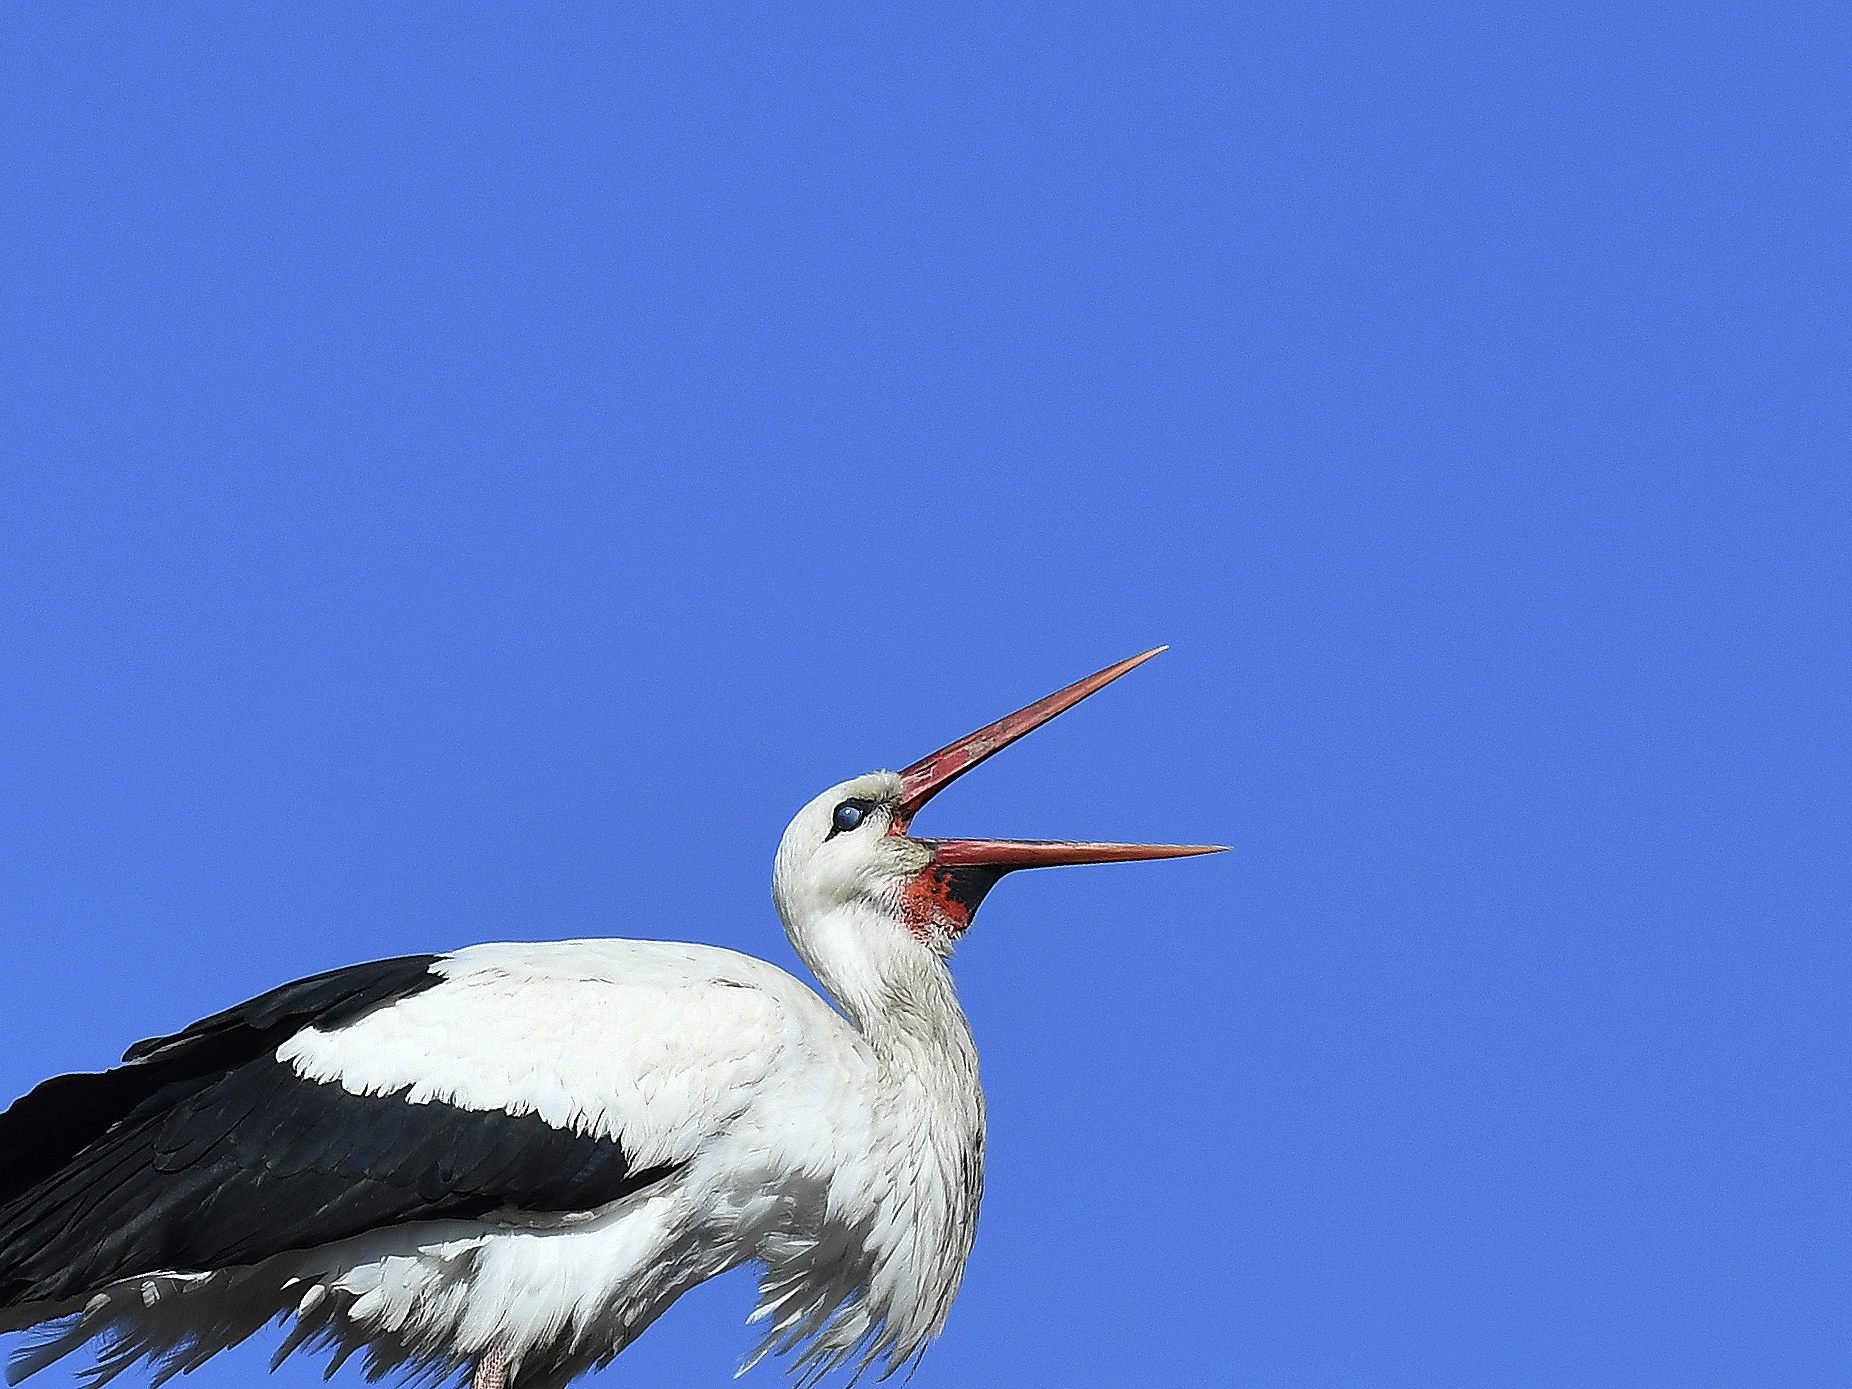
x,y
848,816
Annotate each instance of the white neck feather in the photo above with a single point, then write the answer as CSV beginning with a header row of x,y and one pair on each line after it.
x,y
928,1111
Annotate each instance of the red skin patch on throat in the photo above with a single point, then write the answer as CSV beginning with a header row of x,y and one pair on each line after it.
x,y
927,901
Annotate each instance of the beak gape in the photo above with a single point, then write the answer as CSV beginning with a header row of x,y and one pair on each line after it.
x,y
963,870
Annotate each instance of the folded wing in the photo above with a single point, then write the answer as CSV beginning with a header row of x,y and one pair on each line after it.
x,y
520,1080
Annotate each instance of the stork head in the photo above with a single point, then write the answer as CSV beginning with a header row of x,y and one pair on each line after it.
x,y
858,890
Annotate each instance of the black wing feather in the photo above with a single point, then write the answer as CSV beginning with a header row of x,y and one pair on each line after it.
x,y
60,1118
206,1152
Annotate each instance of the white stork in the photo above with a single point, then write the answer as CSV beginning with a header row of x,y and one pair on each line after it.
x,y
507,1161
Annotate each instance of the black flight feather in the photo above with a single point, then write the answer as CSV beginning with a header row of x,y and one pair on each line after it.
x,y
204,1151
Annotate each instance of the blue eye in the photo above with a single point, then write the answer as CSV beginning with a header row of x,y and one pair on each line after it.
x,y
848,815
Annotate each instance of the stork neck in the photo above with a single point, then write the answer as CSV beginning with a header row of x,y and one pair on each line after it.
x,y
921,1022
899,996
929,1113
924,1107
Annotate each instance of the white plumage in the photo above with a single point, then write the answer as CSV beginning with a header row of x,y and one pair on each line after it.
x,y
512,1158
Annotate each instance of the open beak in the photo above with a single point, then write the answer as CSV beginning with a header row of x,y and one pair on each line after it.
x,y
931,775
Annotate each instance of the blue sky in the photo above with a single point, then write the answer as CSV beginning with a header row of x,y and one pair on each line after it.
x,y
474,475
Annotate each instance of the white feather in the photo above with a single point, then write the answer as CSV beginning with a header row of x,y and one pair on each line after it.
x,y
844,1155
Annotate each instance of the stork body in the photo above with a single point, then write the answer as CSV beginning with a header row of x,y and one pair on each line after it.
x,y
703,1108
512,1158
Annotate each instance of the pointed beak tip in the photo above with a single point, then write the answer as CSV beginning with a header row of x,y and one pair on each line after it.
x,y
927,777
1186,850
1132,663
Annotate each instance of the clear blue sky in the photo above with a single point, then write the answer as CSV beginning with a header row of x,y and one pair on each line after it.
x,y
474,475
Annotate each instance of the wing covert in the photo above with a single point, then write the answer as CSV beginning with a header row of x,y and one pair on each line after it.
x,y
520,1081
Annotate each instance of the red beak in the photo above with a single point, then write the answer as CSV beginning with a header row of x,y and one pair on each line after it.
x,y
931,775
